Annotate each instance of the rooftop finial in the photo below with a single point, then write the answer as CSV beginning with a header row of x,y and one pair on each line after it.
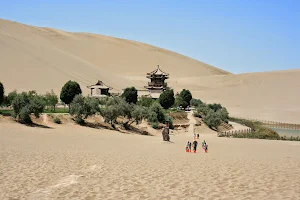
x,y
158,66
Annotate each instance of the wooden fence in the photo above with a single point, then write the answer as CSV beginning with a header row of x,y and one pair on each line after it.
x,y
273,124
231,133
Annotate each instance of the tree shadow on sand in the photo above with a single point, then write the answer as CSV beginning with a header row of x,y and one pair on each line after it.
x,y
34,125
120,128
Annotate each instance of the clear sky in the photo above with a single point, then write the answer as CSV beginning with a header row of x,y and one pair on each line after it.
x,y
238,36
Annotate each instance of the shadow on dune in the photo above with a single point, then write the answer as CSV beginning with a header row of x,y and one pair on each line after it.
x,y
97,126
38,126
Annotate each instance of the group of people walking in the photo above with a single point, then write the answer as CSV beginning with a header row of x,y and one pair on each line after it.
x,y
189,145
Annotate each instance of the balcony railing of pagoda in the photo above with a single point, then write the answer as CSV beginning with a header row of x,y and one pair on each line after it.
x,y
157,84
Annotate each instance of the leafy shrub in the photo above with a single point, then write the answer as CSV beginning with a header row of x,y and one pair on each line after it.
x,y
110,114
145,101
166,99
57,120
180,102
212,119
26,103
139,113
152,116
24,115
130,95
51,99
157,114
11,96
69,91
159,111
155,125
82,107
196,102
215,107
224,115
202,110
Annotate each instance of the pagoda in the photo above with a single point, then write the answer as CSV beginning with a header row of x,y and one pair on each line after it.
x,y
99,89
157,84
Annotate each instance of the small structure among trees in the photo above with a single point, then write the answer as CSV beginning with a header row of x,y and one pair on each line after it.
x,y
157,84
99,89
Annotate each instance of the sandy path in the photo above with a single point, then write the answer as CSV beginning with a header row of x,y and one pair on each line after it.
x,y
237,126
73,162
192,123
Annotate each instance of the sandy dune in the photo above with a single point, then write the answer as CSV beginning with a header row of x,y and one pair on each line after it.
x,y
73,162
43,59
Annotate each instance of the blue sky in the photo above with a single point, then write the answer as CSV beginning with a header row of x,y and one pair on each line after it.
x,y
238,36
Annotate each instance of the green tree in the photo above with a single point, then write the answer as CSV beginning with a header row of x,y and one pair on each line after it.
x,y
196,102
215,107
130,95
82,107
166,99
202,110
223,113
186,95
69,91
51,99
159,113
139,113
180,102
25,103
110,114
11,96
145,101
1,93
212,119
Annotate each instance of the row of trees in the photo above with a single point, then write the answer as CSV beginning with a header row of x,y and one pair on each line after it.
x,y
167,99
127,106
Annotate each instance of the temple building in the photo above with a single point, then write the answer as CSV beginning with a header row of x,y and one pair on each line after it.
x,y
99,89
157,82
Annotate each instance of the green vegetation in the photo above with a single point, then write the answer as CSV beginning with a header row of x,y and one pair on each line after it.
x,y
130,95
212,114
166,99
258,130
57,110
69,91
82,107
180,102
186,95
1,93
57,120
183,99
25,104
10,97
51,100
196,102
145,101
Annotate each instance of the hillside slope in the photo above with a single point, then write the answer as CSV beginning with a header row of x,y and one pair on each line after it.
x,y
34,58
44,58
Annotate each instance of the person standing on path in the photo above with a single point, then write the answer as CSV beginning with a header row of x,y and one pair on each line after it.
x,y
195,144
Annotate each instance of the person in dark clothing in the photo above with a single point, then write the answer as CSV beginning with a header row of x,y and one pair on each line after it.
x,y
195,144
190,147
197,135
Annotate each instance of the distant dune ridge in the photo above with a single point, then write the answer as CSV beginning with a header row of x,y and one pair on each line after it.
x,y
41,59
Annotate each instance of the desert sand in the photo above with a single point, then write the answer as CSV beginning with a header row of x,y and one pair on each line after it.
x,y
41,59
74,162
